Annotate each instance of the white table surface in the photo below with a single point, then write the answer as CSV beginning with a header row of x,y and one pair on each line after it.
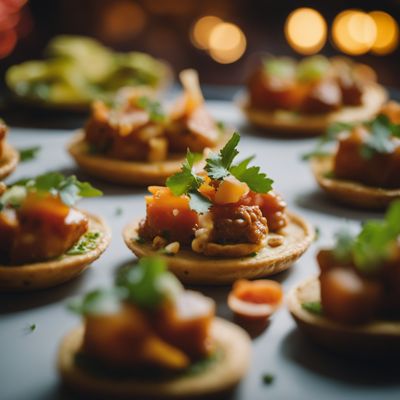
x,y
301,370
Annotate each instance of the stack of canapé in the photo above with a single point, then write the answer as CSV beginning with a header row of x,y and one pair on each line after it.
x,y
212,218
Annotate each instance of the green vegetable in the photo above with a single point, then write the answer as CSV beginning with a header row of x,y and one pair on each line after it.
x,y
149,283
220,166
187,182
30,328
373,245
153,107
313,68
284,68
29,153
268,379
119,211
99,301
69,189
85,244
314,307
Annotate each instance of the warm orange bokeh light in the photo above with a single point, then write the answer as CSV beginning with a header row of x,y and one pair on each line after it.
x,y
354,32
227,43
306,30
387,33
201,30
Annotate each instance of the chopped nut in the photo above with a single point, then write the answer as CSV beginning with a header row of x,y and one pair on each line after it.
x,y
172,248
275,241
158,242
175,212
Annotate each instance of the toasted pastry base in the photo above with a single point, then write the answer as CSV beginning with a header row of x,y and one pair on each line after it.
x,y
293,124
41,275
194,268
9,161
376,338
220,376
121,171
350,192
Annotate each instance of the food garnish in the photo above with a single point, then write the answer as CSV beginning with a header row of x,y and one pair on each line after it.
x,y
29,153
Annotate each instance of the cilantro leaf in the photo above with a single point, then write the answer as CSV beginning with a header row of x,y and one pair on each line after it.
x,y
380,138
218,165
186,180
86,243
344,246
199,203
374,244
29,153
257,181
70,189
148,283
99,301
153,107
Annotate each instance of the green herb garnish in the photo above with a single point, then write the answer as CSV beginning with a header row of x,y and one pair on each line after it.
x,y
373,245
149,282
86,243
29,153
314,307
139,240
268,379
69,189
219,166
99,301
30,328
118,211
153,107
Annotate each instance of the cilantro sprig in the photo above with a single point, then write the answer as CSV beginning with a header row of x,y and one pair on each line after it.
x,y
373,245
70,189
145,285
153,107
220,166
379,141
29,153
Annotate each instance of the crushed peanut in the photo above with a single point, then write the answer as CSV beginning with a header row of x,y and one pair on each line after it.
x,y
275,241
172,248
159,242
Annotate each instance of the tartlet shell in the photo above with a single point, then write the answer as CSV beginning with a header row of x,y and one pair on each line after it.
x,y
194,268
376,338
312,125
51,273
221,376
121,171
8,161
349,192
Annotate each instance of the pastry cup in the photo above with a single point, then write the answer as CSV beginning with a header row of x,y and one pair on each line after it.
x,y
350,192
296,124
122,171
376,338
8,161
222,374
41,275
195,268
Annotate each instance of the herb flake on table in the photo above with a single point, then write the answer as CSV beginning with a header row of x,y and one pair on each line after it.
x,y
29,153
268,379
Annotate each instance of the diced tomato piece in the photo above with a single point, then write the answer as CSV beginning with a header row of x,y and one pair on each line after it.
x,y
168,216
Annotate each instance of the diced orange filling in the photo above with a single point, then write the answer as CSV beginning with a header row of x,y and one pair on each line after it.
x,y
42,228
168,338
379,170
168,216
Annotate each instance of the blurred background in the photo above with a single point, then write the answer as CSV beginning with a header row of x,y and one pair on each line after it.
x,y
220,38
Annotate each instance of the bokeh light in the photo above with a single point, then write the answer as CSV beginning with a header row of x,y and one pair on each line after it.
x,y
200,34
306,30
387,33
227,43
122,20
354,32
